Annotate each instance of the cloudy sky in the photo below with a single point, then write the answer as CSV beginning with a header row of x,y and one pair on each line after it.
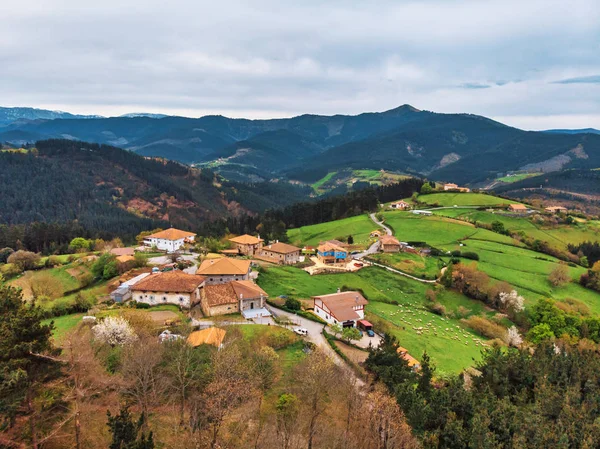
x,y
529,63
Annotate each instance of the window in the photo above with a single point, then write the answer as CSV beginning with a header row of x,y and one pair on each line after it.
x,y
181,299
164,298
141,297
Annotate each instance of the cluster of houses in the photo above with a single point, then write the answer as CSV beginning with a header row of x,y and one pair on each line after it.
x,y
455,188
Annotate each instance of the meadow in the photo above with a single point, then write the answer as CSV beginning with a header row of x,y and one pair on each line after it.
x,y
359,227
450,199
415,264
383,290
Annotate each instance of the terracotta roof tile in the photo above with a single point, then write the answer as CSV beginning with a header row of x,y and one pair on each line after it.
x,y
224,266
248,289
122,251
281,248
220,294
211,336
172,234
341,304
246,240
389,240
172,281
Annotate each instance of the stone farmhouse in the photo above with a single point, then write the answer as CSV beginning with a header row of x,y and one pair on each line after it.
x,y
247,245
390,244
244,297
223,270
172,287
281,253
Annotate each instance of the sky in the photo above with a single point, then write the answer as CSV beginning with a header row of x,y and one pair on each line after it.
x,y
534,64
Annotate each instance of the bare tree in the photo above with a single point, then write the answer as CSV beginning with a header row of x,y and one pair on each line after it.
x,y
266,371
315,376
386,427
286,409
184,372
141,370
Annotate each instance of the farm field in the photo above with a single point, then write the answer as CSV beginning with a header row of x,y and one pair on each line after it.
x,y
415,264
436,231
359,227
381,287
66,278
63,325
451,199
557,236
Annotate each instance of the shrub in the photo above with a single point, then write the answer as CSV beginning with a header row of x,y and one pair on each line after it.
x,y
5,253
293,304
559,276
436,308
485,327
52,261
25,260
470,255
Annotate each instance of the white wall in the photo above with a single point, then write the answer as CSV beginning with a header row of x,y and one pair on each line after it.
x,y
156,298
166,245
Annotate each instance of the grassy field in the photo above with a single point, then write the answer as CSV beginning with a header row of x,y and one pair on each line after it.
x,y
415,264
66,278
359,227
380,287
557,236
63,325
317,185
436,231
517,177
463,199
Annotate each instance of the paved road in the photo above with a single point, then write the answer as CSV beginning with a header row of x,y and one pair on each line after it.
x,y
374,248
393,270
315,335
388,231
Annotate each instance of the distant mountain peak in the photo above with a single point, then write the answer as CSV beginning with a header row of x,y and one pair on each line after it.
x,y
402,109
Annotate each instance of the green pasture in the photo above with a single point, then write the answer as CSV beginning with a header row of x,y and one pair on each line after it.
x,y
359,227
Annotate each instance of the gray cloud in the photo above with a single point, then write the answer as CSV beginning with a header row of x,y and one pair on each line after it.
x,y
270,58
593,79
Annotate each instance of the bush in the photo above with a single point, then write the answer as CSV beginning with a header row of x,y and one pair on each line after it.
x,y
4,254
52,261
25,260
559,276
470,255
293,304
485,327
436,308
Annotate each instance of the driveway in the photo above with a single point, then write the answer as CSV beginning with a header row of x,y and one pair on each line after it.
x,y
374,248
162,260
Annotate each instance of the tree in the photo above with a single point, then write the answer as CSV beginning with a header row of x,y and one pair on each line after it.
x,y
79,244
287,410
426,188
336,328
126,434
559,276
44,285
24,363
114,331
265,371
350,240
4,254
514,337
540,333
292,303
498,226
350,333
315,376
25,260
185,369
141,369
99,269
512,301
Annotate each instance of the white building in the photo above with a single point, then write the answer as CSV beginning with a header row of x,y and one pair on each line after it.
x,y
172,287
169,240
345,308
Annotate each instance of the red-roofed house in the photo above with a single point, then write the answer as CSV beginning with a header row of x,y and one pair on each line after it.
x,y
169,240
345,308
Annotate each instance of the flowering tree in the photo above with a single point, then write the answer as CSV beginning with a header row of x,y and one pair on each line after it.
x,y
514,337
512,301
114,331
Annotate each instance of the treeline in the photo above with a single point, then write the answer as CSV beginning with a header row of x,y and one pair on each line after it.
x,y
515,399
273,223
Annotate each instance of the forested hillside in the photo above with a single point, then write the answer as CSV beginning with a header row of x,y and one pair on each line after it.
x,y
114,191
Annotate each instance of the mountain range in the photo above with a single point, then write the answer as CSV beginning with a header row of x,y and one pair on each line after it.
x,y
462,148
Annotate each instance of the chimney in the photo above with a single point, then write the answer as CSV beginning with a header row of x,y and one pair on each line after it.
x,y
339,290
241,296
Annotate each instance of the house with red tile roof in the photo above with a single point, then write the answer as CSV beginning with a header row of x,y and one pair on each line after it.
x,y
172,287
169,240
345,308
